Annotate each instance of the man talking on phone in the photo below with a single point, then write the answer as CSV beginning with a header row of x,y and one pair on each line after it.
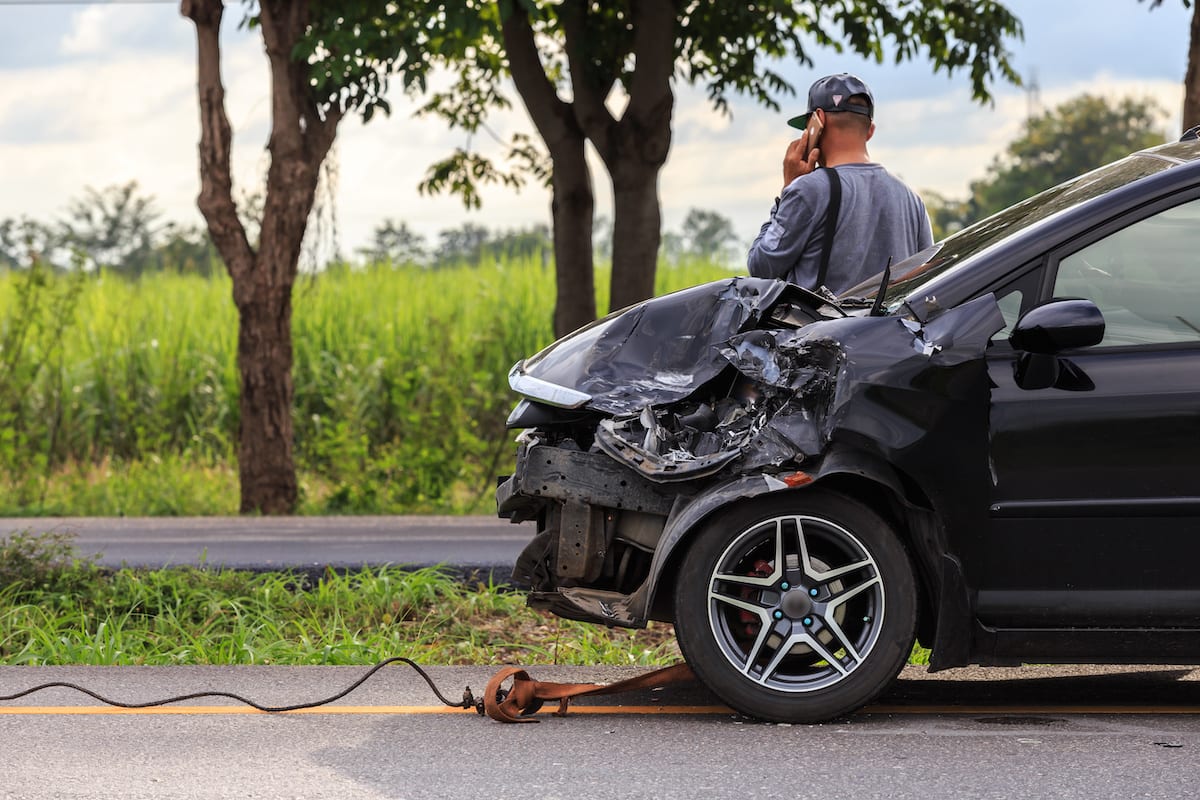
x,y
837,226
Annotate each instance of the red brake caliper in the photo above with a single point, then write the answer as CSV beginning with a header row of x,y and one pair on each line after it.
x,y
762,569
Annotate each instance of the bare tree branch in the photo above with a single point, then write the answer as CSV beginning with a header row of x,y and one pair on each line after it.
x,y
216,137
588,102
550,114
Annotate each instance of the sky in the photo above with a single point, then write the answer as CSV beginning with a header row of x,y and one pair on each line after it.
x,y
100,94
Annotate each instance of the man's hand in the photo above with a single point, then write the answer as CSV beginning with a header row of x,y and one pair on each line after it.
x,y
799,160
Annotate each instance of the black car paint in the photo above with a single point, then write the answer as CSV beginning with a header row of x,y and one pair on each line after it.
x,y
955,439
907,391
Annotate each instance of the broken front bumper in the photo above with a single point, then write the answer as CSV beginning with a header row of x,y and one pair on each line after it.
x,y
552,474
596,519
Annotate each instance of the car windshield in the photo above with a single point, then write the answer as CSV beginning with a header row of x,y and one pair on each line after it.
x,y
909,276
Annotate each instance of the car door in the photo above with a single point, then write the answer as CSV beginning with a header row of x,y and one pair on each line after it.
x,y
1094,518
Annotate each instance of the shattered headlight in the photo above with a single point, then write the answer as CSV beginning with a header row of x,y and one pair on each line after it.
x,y
543,391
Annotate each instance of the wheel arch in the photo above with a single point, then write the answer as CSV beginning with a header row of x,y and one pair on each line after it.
x,y
856,476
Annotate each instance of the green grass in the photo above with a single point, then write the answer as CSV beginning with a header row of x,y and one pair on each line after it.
x,y
192,616
120,397
215,617
198,617
56,609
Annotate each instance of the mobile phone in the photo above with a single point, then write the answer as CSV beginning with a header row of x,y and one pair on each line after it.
x,y
813,139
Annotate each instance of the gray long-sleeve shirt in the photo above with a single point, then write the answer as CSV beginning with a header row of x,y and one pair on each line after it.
x,y
880,218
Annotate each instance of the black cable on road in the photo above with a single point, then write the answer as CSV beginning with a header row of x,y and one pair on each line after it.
x,y
468,701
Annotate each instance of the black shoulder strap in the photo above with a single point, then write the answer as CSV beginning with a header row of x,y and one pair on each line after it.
x,y
831,220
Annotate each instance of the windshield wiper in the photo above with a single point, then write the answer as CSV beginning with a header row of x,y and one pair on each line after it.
x,y
877,308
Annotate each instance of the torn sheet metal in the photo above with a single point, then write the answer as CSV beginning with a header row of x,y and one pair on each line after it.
x,y
663,350
785,359
799,387
714,394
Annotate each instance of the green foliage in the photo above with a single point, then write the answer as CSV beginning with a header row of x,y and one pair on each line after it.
x,y
393,242
473,244
1080,135
156,485
946,215
354,47
463,172
189,616
462,245
708,235
33,376
56,609
187,249
121,397
32,565
24,242
466,245
727,47
113,228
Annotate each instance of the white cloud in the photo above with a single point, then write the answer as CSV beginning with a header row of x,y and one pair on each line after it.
x,y
87,34
119,104
99,31
130,116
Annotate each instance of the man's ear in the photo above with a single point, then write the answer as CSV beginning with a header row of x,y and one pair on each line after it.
x,y
870,131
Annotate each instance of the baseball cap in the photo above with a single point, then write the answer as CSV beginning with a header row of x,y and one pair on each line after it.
x,y
831,92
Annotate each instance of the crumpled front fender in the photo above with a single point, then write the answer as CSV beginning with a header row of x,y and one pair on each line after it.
x,y
690,513
910,402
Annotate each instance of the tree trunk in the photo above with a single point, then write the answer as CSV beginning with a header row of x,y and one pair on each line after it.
x,y
573,202
572,208
635,148
262,281
268,476
1191,83
637,225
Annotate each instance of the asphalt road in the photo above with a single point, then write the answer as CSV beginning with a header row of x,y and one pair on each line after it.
x,y
1046,732
1069,732
469,543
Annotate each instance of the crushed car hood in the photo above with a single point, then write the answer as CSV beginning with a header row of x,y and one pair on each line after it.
x,y
654,353
886,380
786,388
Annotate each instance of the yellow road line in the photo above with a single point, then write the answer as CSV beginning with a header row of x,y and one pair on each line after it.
x,y
399,710
1028,710
586,710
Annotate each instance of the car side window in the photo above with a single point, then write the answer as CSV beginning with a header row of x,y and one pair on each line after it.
x,y
1015,297
1010,306
1145,278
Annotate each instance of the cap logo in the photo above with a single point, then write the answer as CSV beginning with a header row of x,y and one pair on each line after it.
x,y
837,99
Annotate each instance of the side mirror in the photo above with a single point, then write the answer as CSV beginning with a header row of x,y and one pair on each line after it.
x,y
1058,325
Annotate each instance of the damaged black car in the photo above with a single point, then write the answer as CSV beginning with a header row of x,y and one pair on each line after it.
x,y
991,449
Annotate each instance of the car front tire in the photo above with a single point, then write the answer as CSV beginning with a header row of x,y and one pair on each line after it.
x,y
797,607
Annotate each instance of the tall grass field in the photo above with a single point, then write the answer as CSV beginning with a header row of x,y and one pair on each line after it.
x,y
121,397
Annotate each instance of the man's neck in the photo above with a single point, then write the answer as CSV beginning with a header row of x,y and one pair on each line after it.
x,y
838,158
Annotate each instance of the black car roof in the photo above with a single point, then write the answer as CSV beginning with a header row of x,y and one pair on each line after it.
x,y
1183,151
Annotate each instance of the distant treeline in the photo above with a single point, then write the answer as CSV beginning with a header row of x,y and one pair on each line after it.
x,y
119,229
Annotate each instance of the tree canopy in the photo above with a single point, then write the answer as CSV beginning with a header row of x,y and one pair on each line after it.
x,y
1079,135
573,61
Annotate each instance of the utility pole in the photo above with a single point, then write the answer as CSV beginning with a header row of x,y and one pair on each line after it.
x,y
1033,95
